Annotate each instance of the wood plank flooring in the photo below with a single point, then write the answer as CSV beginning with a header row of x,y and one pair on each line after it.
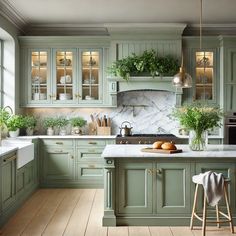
x,y
76,212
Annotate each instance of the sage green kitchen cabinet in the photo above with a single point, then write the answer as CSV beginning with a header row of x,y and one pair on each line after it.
x,y
203,65
64,76
135,191
8,180
228,74
153,188
35,68
58,165
25,178
89,163
173,182
64,70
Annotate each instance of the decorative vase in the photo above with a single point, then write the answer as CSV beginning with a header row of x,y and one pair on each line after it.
x,y
50,131
14,134
62,131
29,131
198,140
76,131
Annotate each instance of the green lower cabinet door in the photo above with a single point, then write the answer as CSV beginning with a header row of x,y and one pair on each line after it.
x,y
58,164
135,188
8,181
173,188
227,169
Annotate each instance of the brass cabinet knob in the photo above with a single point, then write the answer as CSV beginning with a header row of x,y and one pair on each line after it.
x,y
150,171
159,171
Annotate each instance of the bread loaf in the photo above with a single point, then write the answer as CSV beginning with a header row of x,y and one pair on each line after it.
x,y
157,144
168,146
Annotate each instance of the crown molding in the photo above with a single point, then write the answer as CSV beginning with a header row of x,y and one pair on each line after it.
x,y
211,29
12,15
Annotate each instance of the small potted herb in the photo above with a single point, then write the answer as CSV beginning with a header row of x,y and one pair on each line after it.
x,y
30,123
77,123
14,123
4,116
49,123
61,123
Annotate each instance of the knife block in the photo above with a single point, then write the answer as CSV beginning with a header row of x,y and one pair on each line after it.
x,y
103,130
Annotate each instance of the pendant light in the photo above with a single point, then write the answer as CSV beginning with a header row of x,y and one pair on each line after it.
x,y
182,79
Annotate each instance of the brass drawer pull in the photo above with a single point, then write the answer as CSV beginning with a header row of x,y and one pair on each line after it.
x,y
91,166
59,143
9,159
92,143
58,151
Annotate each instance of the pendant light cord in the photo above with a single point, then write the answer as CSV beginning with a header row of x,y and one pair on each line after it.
x,y
200,24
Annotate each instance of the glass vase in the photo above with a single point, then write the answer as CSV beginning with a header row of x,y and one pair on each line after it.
x,y
198,140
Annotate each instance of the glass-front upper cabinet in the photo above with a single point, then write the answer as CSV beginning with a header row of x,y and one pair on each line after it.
x,y
64,76
39,76
91,76
205,75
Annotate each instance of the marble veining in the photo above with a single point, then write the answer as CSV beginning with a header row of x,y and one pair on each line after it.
x,y
147,111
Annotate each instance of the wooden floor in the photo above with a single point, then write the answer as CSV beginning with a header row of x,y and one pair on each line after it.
x,y
75,212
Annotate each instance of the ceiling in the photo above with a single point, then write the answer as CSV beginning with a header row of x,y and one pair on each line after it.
x,y
53,13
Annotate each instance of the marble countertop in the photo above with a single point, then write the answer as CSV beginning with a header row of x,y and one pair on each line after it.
x,y
6,150
68,137
134,151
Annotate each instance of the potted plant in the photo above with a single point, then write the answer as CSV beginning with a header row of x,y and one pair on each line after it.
x,y
77,123
30,124
14,123
149,63
4,116
61,123
49,123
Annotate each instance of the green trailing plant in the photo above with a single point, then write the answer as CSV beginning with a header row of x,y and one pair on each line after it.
x,y
30,122
15,122
49,122
61,122
146,64
77,122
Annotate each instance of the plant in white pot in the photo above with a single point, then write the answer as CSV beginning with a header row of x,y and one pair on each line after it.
x,y
77,123
14,123
49,123
4,116
30,124
61,123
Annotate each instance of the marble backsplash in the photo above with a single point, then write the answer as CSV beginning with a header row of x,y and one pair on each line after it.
x,y
147,111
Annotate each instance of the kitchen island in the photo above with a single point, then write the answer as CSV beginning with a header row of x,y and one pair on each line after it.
x,y
156,189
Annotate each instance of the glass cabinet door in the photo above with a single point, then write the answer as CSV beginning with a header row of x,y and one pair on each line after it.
x,y
91,75
64,76
39,76
205,75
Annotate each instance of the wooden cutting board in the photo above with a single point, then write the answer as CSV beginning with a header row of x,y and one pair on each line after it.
x,y
152,150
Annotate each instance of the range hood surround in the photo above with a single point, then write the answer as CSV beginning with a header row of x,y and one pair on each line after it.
x,y
118,85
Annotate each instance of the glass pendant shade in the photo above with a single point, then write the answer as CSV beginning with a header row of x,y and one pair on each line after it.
x,y
182,79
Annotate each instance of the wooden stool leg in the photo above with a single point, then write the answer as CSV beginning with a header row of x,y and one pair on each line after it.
x,y
228,208
194,206
204,216
217,215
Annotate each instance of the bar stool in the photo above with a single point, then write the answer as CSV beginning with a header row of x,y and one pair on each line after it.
x,y
228,216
